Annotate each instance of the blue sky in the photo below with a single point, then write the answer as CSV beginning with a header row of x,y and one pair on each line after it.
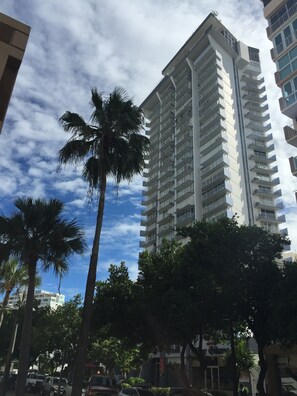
x,y
76,45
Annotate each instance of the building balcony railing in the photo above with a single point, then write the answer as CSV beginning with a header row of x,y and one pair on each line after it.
x,y
290,135
257,116
250,105
272,28
250,96
293,165
288,105
267,192
258,135
266,171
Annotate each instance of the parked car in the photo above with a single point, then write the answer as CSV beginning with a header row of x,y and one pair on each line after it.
x,y
34,382
136,391
50,387
288,390
101,385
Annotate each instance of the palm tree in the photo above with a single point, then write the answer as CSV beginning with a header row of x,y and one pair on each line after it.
x,y
12,275
111,145
18,276
37,233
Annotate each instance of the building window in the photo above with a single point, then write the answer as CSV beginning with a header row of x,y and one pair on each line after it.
x,y
288,63
278,43
290,91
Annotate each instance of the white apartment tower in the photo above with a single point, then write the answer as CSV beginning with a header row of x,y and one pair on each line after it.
x,y
211,149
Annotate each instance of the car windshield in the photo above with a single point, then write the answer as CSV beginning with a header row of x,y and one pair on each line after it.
x,y
39,376
102,381
56,381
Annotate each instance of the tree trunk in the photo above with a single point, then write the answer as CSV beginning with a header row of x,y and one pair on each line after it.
x,y
198,352
9,356
233,362
263,369
183,367
4,305
26,331
88,301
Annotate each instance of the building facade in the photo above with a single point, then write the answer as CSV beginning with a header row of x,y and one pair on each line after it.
x,y
282,31
44,299
211,146
13,40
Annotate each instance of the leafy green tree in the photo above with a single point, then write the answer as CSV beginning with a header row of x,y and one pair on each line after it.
x,y
111,145
55,334
12,275
286,303
116,354
37,233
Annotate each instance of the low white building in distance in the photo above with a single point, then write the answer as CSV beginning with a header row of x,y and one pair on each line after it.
x,y
45,299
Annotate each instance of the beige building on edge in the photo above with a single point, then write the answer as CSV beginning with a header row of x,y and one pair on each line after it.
x,y
13,40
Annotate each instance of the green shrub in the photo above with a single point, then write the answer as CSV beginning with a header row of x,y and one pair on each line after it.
x,y
158,391
135,381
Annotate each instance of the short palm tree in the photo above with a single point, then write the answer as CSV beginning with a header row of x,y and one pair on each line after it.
x,y
12,275
111,145
37,233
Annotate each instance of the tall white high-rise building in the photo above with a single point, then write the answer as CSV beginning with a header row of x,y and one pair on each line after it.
x,y
211,147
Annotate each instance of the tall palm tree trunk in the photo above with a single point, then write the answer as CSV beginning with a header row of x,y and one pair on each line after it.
x,y
4,305
4,384
88,301
26,331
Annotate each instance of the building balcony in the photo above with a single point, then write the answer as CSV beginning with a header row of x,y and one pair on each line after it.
x,y
251,97
257,116
262,157
257,135
293,165
254,88
213,155
166,219
214,166
213,143
271,218
268,205
253,68
268,183
256,106
267,192
217,206
252,81
288,14
215,178
288,105
166,195
166,184
267,171
290,135
165,206
258,145
184,194
216,192
149,201
253,125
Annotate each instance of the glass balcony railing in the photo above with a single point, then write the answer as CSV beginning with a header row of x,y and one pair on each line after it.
x,y
291,11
